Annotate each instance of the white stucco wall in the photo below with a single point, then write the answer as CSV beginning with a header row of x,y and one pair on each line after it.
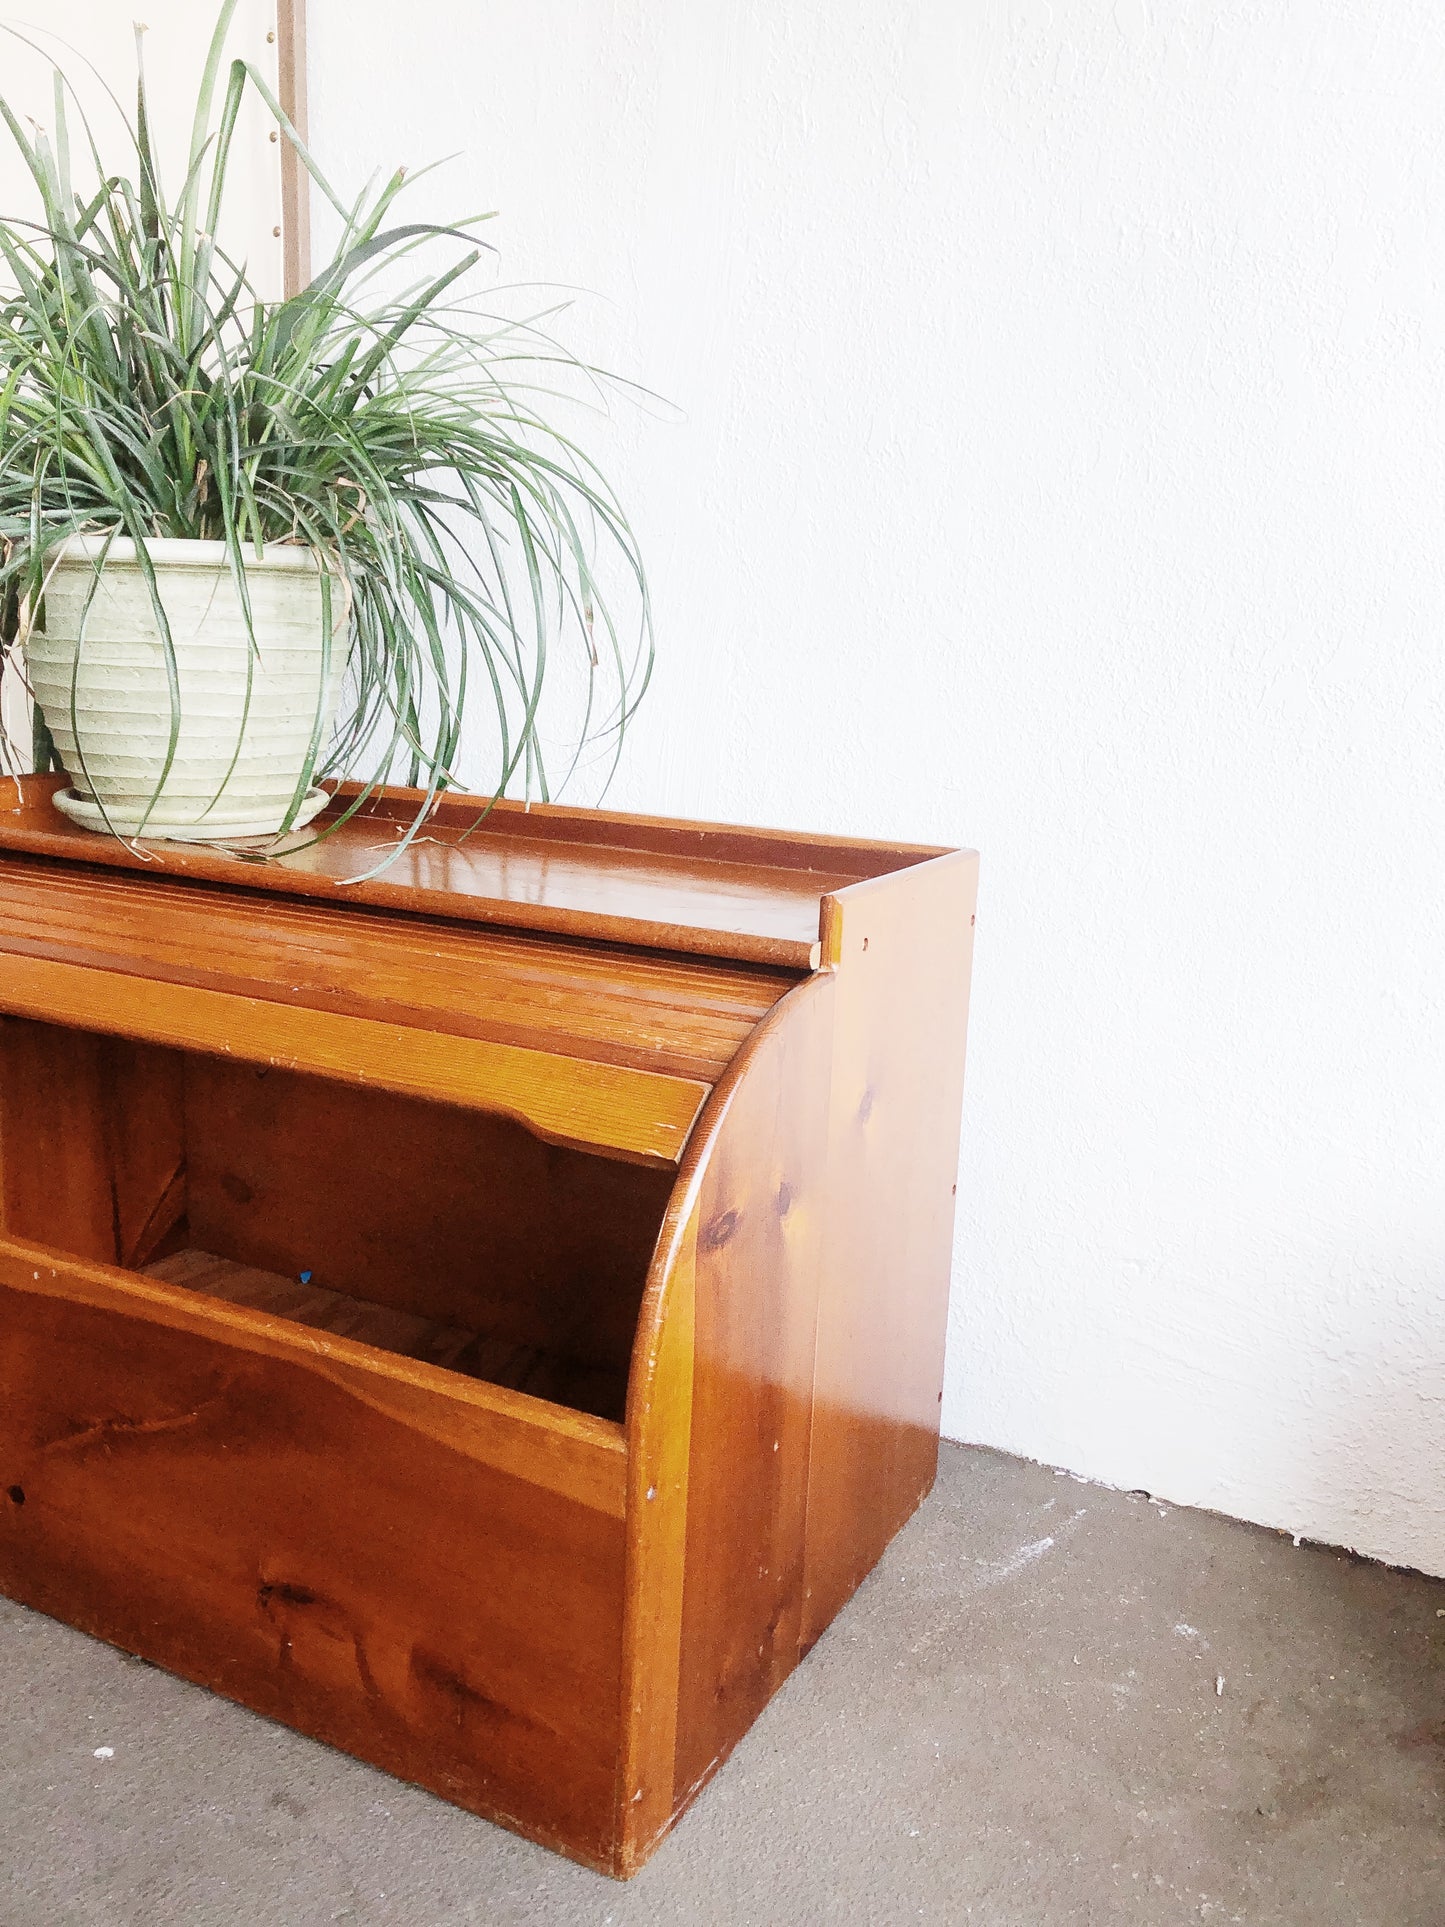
x,y
1061,470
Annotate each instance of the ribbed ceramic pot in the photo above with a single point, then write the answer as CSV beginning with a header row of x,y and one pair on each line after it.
x,y
98,669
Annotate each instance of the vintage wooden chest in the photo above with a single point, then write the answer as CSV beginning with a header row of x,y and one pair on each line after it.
x,y
490,1315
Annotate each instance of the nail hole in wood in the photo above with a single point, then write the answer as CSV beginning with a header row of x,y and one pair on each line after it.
x,y
17,1495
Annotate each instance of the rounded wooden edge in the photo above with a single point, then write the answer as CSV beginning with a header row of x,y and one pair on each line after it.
x,y
657,1427
682,1205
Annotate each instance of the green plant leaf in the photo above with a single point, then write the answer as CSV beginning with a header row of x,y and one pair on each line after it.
x,y
381,417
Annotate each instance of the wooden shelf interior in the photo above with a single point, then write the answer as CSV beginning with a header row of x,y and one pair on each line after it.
x,y
595,1388
440,1233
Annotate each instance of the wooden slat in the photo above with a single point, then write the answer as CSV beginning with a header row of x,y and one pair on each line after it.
x,y
699,888
383,1326
633,1113
534,1369
683,1018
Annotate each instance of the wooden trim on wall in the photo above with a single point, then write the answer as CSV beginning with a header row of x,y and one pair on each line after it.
x,y
295,185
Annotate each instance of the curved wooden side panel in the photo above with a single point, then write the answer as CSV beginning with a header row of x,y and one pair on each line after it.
x,y
784,1399
719,1419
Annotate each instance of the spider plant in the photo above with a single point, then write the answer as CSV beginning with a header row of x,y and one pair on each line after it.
x,y
380,418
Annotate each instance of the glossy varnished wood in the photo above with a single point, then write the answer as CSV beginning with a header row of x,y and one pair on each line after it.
x,y
760,1213
460,1223
640,1114
572,1454
442,1214
538,1370
811,1232
660,1445
634,1010
253,1516
903,951
92,1142
489,1315
701,889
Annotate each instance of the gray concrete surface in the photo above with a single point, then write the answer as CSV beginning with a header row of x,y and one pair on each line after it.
x,y
1015,1724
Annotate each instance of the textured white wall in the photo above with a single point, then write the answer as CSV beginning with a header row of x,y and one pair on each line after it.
x,y
1061,471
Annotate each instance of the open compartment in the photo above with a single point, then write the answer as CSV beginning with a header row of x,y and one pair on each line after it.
x,y
443,1234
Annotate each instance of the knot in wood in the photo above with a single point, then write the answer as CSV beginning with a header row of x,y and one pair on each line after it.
x,y
717,1231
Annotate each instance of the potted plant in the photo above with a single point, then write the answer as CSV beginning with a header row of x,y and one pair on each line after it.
x,y
248,547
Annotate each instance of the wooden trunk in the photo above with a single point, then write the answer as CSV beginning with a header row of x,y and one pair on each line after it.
x,y
490,1314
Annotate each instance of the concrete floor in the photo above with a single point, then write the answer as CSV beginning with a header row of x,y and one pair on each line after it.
x,y
1015,1724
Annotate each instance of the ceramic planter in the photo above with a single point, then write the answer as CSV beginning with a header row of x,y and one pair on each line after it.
x,y
248,714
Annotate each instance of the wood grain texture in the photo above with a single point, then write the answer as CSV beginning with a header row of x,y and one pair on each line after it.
x,y
295,182
443,1214
306,1303
639,1114
814,1209
645,1012
711,1200
360,1571
92,1156
572,1454
762,1201
903,946
659,1428
536,1370
463,1224
695,888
